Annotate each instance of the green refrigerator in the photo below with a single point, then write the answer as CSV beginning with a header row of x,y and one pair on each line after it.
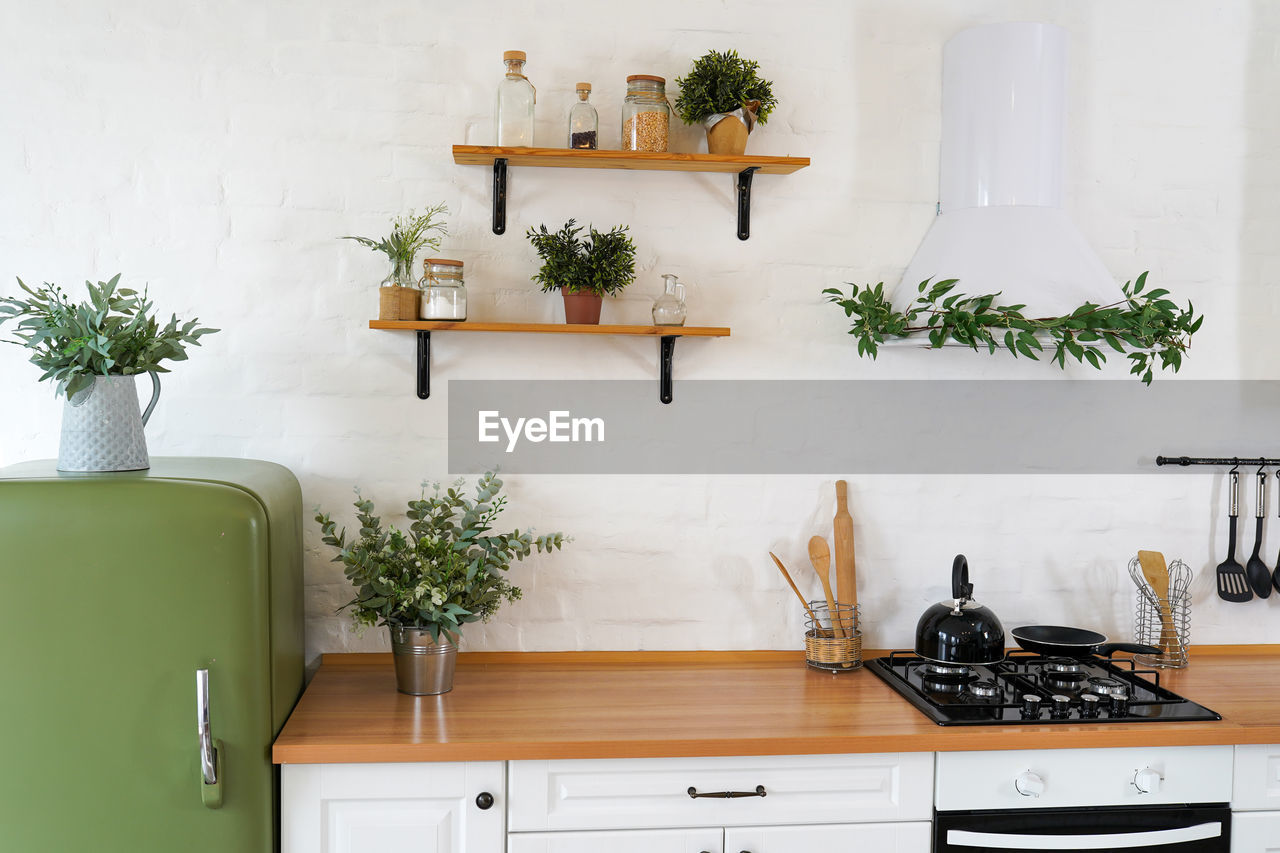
x,y
150,651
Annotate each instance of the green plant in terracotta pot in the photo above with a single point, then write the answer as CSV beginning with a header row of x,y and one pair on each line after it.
x,y
447,569
724,93
584,269
93,350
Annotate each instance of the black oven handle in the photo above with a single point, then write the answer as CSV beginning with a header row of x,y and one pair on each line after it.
x,y
1107,841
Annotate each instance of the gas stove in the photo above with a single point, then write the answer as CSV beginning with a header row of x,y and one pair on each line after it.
x,y
1029,688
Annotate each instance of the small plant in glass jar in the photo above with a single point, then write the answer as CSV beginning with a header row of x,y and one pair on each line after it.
x,y
410,234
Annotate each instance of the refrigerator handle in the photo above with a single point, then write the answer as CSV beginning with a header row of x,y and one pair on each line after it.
x,y
210,749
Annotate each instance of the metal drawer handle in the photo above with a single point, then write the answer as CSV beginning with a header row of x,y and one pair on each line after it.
x,y
208,763
728,795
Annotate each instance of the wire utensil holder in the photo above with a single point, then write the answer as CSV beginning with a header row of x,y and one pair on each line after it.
x,y
838,650
1163,622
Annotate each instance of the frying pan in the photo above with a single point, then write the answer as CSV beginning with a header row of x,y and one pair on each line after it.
x,y
1072,642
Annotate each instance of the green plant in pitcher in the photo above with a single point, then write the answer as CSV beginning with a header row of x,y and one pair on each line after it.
x,y
113,333
447,569
1145,326
721,83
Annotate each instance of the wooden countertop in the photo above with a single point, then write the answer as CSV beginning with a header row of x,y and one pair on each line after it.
x,y
541,705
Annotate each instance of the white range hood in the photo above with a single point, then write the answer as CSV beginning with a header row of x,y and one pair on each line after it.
x,y
1000,224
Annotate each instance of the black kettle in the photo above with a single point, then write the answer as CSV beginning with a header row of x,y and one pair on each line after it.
x,y
960,631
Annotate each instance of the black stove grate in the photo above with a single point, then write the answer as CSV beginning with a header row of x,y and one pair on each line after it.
x,y
1034,689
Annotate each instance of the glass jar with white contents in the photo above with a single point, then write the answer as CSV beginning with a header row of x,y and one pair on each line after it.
x,y
444,295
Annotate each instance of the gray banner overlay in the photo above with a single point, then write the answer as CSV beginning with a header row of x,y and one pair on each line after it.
x,y
869,427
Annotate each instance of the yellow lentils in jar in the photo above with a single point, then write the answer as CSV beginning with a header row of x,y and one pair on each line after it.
x,y
646,115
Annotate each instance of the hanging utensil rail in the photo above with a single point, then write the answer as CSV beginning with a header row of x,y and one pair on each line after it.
x,y
1235,461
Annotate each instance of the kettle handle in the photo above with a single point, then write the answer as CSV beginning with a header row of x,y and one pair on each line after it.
x,y
961,589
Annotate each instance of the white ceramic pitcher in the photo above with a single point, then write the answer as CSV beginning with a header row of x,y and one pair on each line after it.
x,y
102,427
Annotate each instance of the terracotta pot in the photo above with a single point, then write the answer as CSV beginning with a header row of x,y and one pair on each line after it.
x,y
728,136
582,307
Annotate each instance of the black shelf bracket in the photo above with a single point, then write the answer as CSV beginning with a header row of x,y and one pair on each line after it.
x,y
500,195
744,201
424,364
667,351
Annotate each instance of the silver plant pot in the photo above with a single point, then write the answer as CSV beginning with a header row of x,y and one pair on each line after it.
x,y
423,666
102,427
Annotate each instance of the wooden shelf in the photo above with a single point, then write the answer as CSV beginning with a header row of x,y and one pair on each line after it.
x,y
500,157
666,336
552,328
573,158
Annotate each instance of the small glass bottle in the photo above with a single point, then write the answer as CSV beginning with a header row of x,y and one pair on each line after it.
x,y
669,308
444,294
584,121
646,115
513,118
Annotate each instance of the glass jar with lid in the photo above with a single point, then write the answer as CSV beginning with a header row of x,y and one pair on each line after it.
x,y
444,295
513,116
646,115
584,121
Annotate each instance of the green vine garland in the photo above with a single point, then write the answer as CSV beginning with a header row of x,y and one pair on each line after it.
x,y
1146,327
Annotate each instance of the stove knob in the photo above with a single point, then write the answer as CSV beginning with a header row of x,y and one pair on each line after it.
x,y
1029,784
1090,706
1147,781
1061,706
1030,706
1119,704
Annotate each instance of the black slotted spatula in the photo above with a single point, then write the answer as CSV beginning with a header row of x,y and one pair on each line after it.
x,y
1257,571
1233,584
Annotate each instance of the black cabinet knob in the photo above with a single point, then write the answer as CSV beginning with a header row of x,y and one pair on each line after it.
x,y
484,800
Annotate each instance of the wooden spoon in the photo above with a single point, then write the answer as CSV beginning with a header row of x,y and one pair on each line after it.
x,y
1156,571
817,624
846,573
820,556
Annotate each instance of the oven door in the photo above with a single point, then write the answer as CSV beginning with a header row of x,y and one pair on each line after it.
x,y
1184,829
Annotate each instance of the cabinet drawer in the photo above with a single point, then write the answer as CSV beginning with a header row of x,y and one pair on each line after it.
x,y
1255,832
1257,777
619,841
654,792
914,837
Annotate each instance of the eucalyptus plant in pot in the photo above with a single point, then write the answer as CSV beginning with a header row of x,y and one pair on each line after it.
x,y
584,269
410,234
724,93
424,583
93,350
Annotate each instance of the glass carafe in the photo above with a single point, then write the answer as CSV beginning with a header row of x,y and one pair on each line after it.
x,y
669,308
513,118
584,121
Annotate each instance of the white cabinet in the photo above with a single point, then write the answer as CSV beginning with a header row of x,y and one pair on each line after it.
x,y
373,808
914,837
1255,832
644,793
1255,800
619,841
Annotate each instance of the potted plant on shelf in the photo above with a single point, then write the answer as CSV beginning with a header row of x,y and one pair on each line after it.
x,y
93,350
584,269
449,568
724,93
410,234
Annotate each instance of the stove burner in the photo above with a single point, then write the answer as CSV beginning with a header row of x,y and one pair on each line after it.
x,y
1062,666
946,670
1107,687
984,689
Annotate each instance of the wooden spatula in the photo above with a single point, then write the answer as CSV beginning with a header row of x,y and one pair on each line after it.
x,y
846,574
1156,571
820,556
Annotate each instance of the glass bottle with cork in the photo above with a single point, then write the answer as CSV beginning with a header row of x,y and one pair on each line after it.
x,y
513,118
646,115
584,121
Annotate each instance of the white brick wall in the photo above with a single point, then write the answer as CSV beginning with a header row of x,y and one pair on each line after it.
x,y
217,151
